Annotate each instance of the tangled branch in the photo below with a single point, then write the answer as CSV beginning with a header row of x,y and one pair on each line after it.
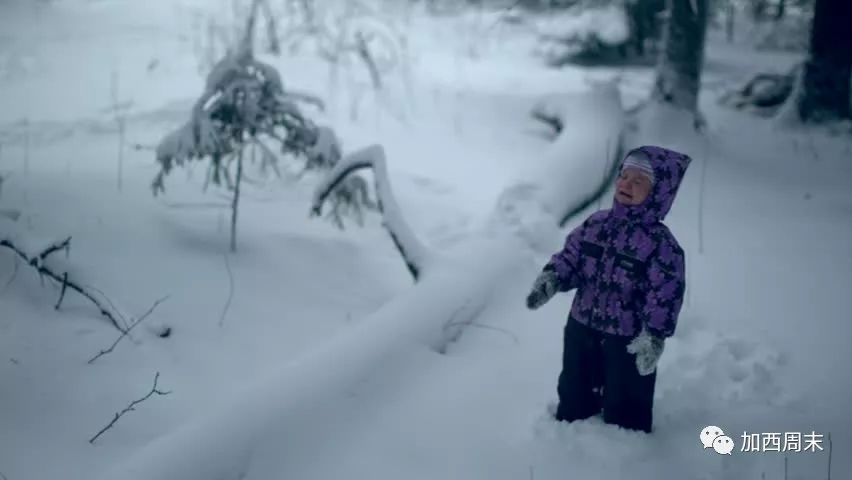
x,y
127,332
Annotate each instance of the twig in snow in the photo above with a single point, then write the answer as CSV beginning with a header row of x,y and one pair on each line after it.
x,y
127,332
3,476
552,121
532,473
230,291
785,467
37,262
130,408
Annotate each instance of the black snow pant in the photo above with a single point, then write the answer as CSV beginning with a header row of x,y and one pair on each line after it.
x,y
600,375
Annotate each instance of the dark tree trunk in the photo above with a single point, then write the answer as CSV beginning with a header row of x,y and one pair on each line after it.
x,y
780,10
679,68
644,25
758,10
825,82
730,16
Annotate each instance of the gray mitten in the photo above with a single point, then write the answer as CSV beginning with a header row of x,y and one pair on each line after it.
x,y
648,349
545,287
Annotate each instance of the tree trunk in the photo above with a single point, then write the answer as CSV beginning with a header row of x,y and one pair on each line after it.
x,y
236,200
758,10
679,68
730,16
780,10
825,82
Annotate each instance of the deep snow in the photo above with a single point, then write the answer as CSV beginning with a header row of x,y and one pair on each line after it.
x,y
762,343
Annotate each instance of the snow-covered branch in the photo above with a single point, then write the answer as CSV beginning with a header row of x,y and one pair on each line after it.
x,y
37,261
413,252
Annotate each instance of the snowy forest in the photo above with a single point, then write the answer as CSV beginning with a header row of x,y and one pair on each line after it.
x,y
258,239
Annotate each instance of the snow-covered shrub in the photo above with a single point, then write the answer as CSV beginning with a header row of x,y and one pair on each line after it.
x,y
244,103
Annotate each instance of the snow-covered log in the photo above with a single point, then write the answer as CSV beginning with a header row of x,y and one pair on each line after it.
x,y
413,252
281,419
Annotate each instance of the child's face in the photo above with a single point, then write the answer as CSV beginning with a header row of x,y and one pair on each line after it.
x,y
632,187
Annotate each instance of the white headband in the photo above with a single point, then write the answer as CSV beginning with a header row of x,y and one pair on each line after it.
x,y
639,161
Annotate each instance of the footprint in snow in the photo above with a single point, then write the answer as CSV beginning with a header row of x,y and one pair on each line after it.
x,y
708,368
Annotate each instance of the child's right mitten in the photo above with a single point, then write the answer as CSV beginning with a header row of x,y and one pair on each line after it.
x,y
544,288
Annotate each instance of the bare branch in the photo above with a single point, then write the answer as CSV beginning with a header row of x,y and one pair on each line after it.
x,y
230,291
62,293
127,332
363,52
43,270
130,408
56,246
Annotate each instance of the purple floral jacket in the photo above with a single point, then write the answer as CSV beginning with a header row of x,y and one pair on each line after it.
x,y
626,265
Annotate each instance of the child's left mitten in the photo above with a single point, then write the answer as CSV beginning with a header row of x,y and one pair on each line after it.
x,y
648,350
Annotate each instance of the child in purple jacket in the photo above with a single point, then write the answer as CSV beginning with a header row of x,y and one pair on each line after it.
x,y
629,272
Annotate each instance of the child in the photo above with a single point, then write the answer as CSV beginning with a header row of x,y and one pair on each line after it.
x,y
629,271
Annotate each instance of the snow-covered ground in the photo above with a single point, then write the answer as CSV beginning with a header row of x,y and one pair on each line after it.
x,y
762,344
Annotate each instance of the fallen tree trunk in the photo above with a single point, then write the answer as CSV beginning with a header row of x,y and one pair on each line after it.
x,y
281,418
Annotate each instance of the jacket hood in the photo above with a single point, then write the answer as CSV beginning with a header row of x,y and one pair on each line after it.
x,y
669,168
